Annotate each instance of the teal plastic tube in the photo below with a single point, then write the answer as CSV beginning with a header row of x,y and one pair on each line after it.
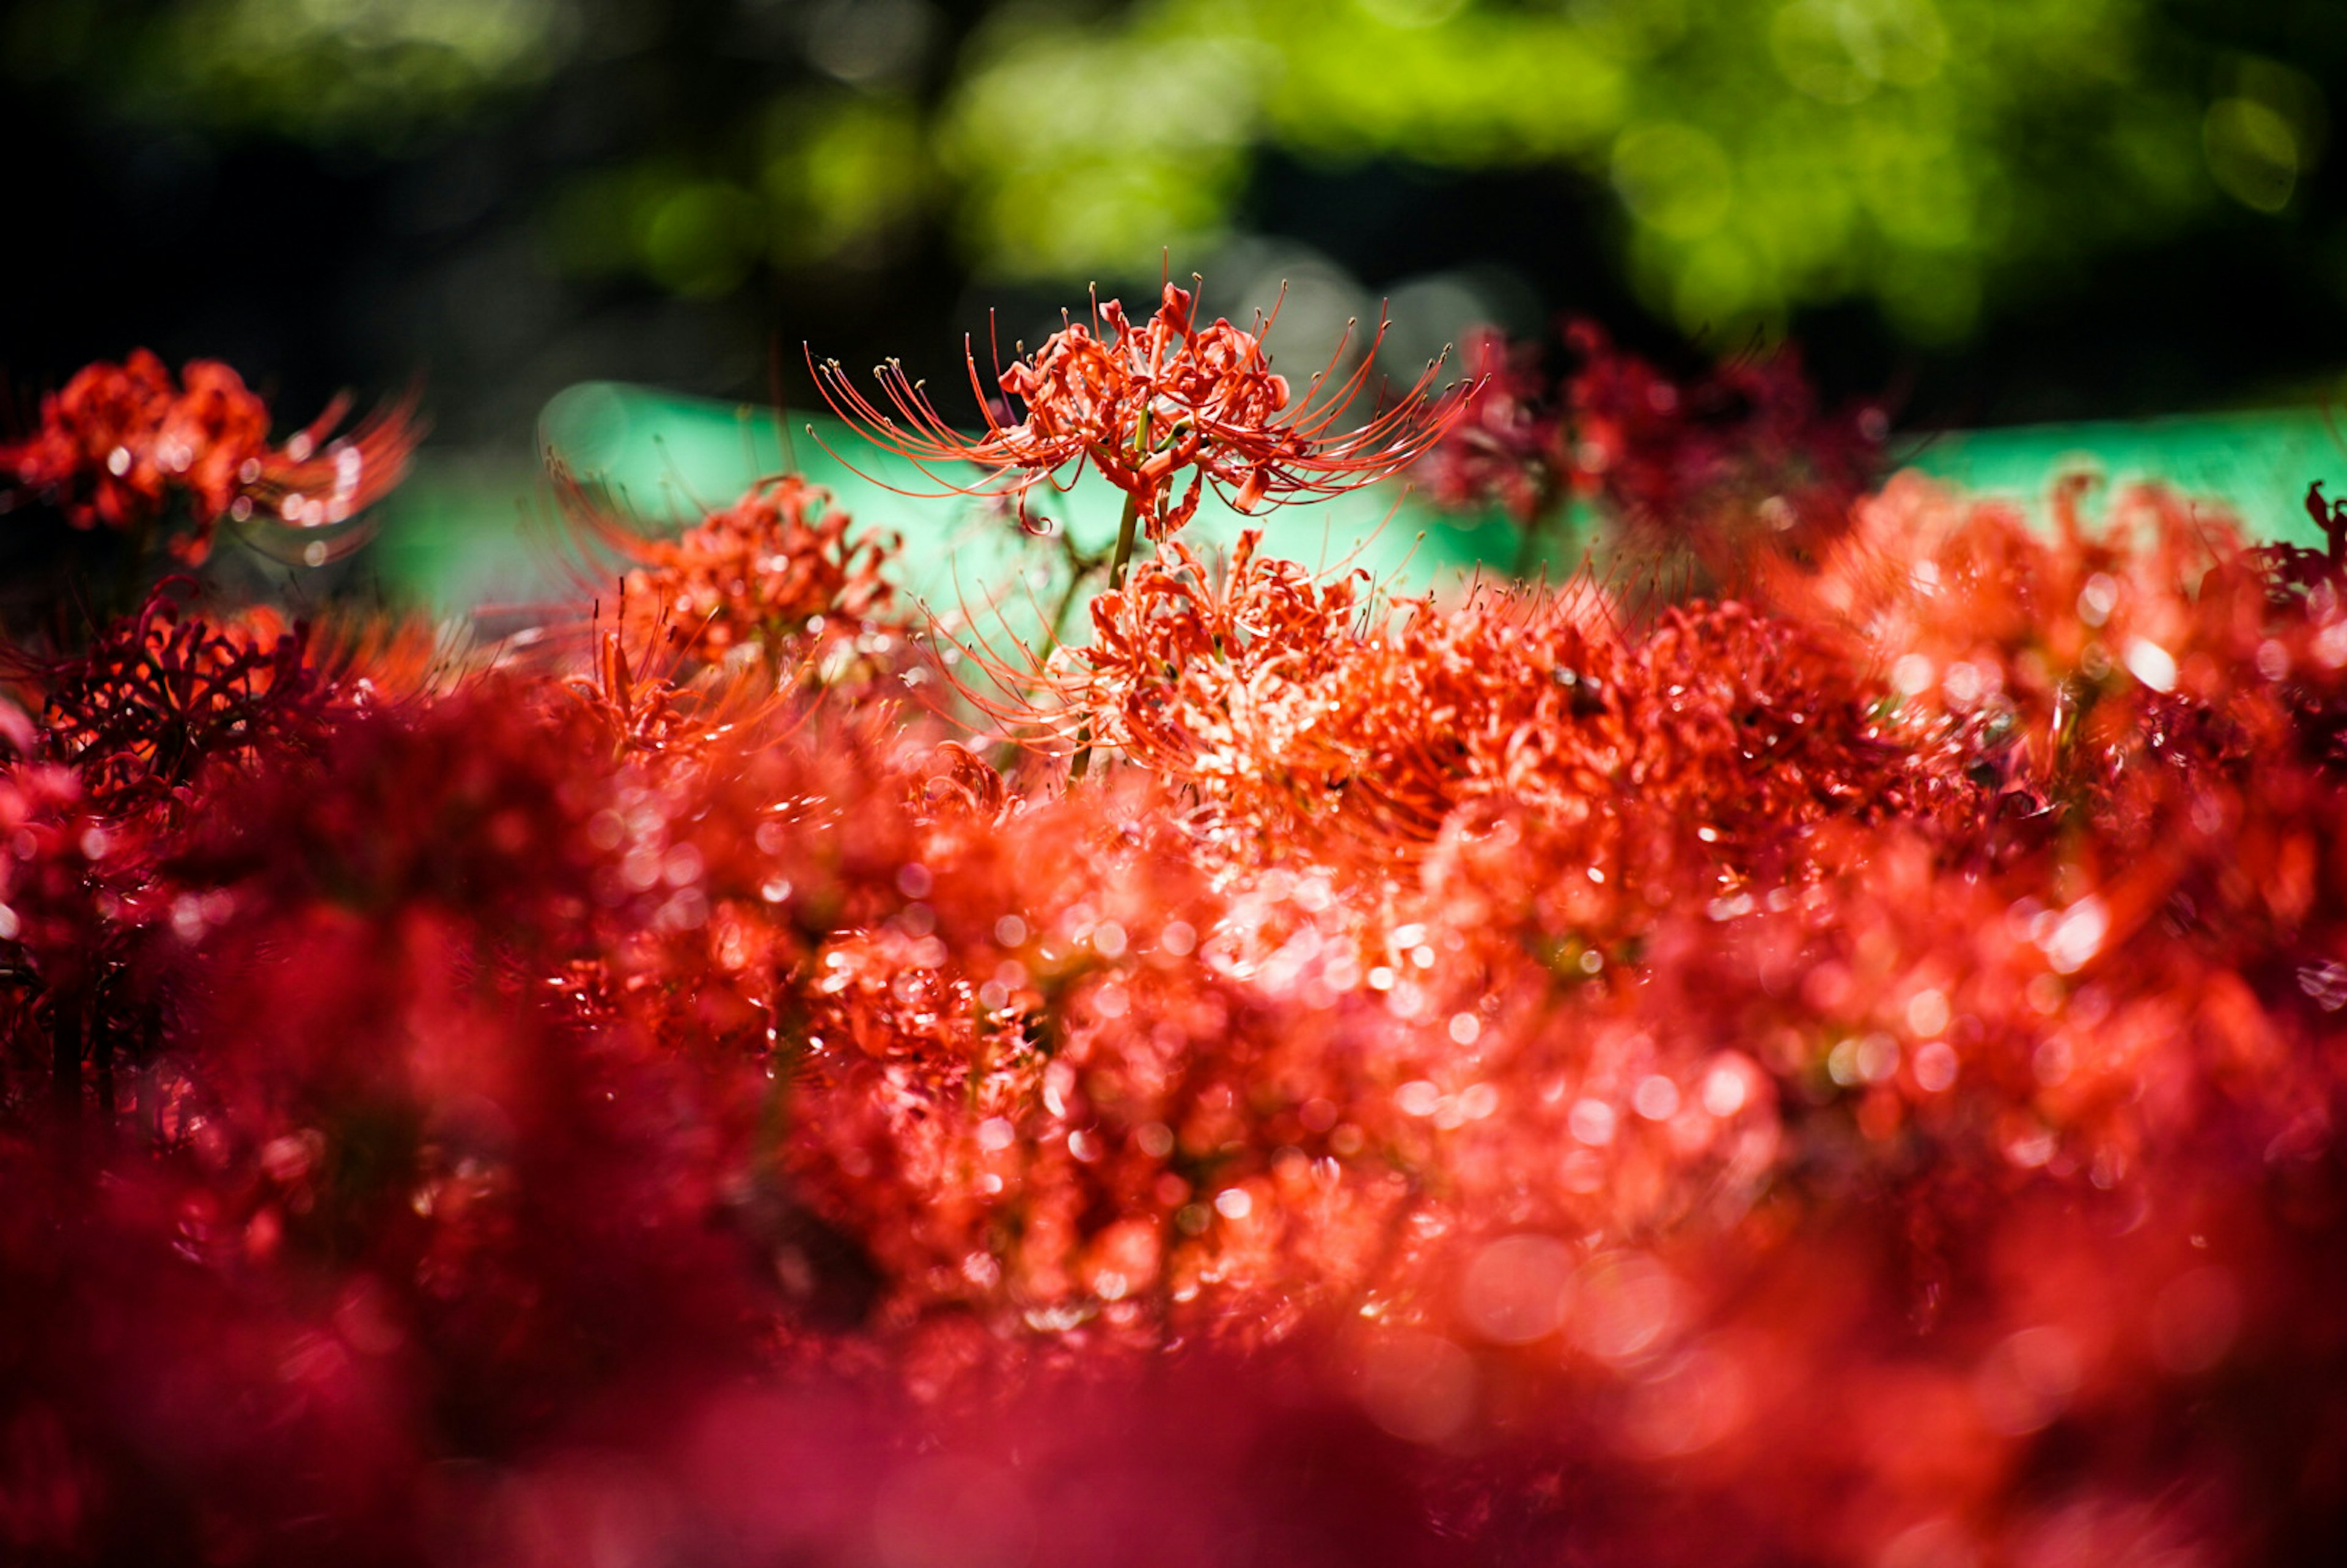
x,y
453,539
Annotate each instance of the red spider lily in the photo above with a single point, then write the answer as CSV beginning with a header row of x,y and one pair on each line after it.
x,y
121,442
158,703
1508,443
1739,461
159,695
1142,404
778,565
1709,481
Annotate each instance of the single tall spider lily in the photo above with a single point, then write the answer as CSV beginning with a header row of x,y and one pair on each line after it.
x,y
1143,404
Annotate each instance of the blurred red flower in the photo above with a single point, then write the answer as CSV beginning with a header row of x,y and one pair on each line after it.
x,y
121,442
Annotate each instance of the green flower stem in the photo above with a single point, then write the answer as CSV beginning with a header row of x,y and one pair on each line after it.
x,y
1126,527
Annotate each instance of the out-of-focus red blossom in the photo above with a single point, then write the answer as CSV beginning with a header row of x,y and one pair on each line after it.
x,y
777,569
1507,444
1738,468
121,443
1142,404
1842,1075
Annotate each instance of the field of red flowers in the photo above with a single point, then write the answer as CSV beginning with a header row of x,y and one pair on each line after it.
x,y
1813,1042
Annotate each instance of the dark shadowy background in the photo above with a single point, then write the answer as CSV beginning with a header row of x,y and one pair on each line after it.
x,y
2004,210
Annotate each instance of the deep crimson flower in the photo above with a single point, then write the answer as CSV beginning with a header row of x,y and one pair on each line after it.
x,y
1737,460
1709,481
1507,444
120,442
159,695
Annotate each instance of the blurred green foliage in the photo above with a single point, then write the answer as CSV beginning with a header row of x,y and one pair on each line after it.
x,y
1083,151
1765,154
827,176
1934,156
372,71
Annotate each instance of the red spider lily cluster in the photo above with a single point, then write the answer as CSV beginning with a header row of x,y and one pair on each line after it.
x,y
1847,1074
123,441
